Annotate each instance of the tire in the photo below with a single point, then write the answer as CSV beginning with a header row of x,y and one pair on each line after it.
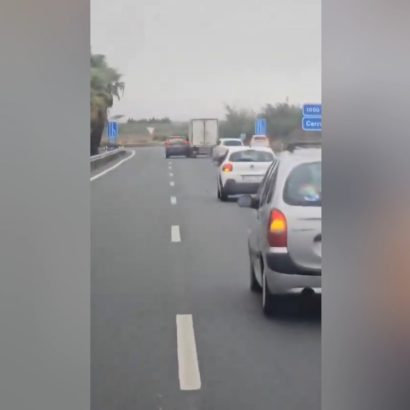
x,y
268,300
166,156
254,284
222,195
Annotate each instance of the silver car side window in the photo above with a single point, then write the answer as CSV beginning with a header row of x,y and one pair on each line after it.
x,y
267,192
262,186
272,185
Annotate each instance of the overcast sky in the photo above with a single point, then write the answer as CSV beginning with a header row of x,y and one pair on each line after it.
x,y
187,58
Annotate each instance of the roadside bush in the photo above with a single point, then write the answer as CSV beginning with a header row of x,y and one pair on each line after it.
x,y
160,138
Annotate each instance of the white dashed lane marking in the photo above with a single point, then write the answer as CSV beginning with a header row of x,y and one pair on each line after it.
x,y
188,366
175,234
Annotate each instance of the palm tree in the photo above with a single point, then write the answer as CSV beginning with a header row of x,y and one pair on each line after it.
x,y
105,85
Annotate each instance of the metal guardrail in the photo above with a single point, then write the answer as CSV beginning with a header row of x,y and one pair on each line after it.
x,y
104,154
97,161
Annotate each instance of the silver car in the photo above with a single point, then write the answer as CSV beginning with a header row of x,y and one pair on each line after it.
x,y
285,241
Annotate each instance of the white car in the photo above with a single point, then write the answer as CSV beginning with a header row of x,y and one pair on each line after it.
x,y
259,141
222,146
242,169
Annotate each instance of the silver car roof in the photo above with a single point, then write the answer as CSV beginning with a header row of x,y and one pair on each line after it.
x,y
290,160
299,156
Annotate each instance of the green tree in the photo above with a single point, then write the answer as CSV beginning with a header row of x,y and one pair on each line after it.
x,y
105,85
236,122
282,119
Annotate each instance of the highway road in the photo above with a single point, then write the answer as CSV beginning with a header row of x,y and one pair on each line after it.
x,y
174,325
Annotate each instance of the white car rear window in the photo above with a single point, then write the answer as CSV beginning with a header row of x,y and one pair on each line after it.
x,y
251,156
232,143
304,185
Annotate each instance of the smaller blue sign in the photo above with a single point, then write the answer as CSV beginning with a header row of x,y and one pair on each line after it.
x,y
112,131
312,124
261,126
312,110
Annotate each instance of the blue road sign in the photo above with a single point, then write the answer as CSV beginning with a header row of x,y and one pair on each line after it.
x,y
312,124
112,131
261,126
314,110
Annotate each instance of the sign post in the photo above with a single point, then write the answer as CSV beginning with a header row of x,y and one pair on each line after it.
x,y
312,117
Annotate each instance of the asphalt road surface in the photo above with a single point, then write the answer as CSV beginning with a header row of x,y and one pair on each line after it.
x,y
173,323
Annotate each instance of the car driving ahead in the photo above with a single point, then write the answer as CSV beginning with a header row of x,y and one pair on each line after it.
x,y
222,146
176,146
285,241
259,141
242,169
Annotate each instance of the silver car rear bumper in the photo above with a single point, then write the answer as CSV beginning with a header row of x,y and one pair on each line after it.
x,y
283,276
282,283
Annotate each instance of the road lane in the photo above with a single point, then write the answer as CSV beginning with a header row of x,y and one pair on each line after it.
x,y
140,282
270,362
133,293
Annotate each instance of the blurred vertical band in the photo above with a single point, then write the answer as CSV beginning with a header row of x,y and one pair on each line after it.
x,y
44,205
366,122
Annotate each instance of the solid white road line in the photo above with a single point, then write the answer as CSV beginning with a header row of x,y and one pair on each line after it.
x,y
175,234
112,168
172,183
173,200
188,367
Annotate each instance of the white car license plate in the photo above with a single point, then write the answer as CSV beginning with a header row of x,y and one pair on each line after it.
x,y
251,178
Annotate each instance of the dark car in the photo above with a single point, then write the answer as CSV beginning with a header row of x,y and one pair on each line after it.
x,y
176,146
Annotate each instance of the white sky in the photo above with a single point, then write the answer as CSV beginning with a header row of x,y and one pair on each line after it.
x,y
187,58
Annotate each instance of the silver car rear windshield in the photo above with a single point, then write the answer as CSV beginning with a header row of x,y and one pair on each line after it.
x,y
304,185
251,156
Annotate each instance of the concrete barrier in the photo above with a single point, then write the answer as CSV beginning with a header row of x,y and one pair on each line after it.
x,y
101,160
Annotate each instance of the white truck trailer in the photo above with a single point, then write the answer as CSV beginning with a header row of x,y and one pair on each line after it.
x,y
203,136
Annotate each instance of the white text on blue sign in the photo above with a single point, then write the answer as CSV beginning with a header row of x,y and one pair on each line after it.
x,y
312,124
312,110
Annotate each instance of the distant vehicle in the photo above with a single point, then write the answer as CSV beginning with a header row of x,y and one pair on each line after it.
x,y
223,143
203,136
259,141
285,241
176,146
242,169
